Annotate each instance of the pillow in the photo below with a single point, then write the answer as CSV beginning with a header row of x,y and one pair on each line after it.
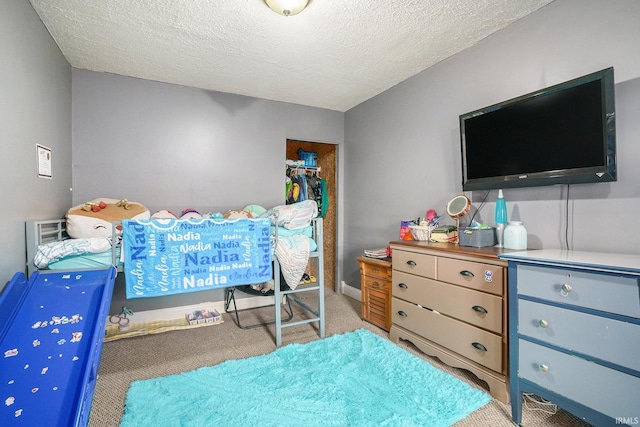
x,y
55,251
295,215
94,218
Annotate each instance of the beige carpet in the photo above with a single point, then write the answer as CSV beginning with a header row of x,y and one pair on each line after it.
x,y
136,358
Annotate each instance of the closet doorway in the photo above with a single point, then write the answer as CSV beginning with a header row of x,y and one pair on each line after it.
x,y
328,163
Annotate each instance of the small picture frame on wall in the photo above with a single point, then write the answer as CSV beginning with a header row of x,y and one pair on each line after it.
x,y
44,161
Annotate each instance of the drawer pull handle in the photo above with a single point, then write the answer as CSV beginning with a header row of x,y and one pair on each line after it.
x,y
376,285
479,346
566,288
543,368
402,313
479,309
543,323
403,286
466,273
411,263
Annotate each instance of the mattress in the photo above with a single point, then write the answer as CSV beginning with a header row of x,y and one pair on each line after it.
x,y
84,261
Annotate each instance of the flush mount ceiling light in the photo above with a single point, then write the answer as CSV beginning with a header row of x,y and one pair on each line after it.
x,y
287,7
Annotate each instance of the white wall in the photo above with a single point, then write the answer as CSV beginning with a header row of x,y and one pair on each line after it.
x,y
402,147
35,108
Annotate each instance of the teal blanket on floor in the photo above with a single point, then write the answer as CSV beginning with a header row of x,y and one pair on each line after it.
x,y
353,379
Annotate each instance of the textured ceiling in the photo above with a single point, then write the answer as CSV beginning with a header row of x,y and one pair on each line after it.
x,y
335,54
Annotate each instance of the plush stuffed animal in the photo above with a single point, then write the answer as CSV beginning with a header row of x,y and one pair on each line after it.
x,y
190,214
212,215
163,214
94,218
239,213
255,210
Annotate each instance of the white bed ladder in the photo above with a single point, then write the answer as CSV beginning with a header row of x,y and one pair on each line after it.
x,y
318,286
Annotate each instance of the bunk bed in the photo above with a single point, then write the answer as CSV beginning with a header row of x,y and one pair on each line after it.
x,y
283,236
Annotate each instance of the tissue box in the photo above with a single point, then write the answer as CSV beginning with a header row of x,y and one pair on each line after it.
x,y
477,237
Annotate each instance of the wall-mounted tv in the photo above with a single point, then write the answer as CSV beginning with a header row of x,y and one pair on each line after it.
x,y
564,134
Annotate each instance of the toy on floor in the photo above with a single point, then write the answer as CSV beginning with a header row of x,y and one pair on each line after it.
x,y
121,319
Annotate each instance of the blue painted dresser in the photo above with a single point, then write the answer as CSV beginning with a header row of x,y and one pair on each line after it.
x,y
574,333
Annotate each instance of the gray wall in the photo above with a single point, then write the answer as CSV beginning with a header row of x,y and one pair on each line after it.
x,y
175,147
402,147
35,108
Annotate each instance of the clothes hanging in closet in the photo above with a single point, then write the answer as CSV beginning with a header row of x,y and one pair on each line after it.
x,y
302,184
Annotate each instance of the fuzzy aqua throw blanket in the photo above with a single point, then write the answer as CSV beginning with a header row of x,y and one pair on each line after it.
x,y
354,379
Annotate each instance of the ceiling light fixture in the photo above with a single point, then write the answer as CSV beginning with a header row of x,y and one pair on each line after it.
x,y
287,7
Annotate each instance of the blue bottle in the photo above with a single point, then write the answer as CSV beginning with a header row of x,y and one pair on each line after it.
x,y
501,217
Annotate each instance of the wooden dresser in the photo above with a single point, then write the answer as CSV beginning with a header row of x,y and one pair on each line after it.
x,y
575,333
450,301
375,284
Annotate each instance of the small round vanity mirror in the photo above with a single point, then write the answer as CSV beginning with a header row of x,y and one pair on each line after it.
x,y
458,206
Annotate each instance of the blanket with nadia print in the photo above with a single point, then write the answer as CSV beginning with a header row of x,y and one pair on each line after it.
x,y
170,256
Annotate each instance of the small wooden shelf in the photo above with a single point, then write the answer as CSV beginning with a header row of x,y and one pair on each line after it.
x,y
375,284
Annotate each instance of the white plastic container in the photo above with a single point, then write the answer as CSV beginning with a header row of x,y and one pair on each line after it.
x,y
515,235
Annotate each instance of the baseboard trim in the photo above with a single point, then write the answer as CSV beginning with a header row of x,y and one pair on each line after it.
x,y
243,301
350,291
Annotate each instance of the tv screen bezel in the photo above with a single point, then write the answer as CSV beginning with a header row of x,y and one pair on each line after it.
x,y
602,173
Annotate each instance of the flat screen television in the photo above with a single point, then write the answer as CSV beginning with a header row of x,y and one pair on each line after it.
x,y
564,134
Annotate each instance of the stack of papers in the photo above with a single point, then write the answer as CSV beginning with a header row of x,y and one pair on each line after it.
x,y
376,253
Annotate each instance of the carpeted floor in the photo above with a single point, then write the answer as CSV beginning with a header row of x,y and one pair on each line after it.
x,y
130,359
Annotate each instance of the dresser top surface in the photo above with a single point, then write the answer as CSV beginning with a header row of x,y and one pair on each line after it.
x,y
490,252
595,260
385,262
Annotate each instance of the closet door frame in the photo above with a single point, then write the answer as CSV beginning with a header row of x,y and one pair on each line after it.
x,y
328,163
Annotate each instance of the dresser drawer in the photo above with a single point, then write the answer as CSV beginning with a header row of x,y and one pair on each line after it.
x,y
475,275
478,308
606,339
377,283
476,344
414,263
599,291
606,390
373,270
